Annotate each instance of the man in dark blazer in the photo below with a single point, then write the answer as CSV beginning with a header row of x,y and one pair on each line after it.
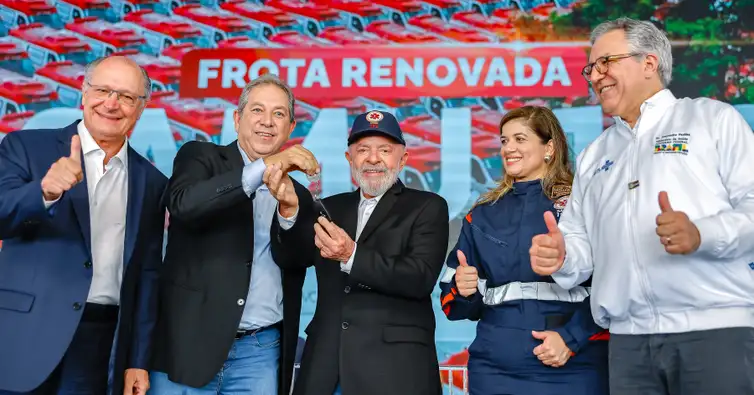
x,y
373,330
229,317
82,226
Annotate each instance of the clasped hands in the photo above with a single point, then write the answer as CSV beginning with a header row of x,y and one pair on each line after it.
x,y
332,241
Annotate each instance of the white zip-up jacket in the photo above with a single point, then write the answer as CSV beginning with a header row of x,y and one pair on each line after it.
x,y
701,152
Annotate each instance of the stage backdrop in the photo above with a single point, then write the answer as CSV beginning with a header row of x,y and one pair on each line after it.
x,y
448,69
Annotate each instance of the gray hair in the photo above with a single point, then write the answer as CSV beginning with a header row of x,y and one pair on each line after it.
x,y
643,37
267,79
89,70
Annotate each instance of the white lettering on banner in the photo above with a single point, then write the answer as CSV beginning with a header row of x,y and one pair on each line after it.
x,y
207,71
317,73
234,72
404,71
380,76
354,70
389,72
292,65
153,138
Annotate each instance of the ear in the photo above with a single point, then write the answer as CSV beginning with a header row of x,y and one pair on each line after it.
x,y
293,126
237,119
550,148
651,65
404,159
348,157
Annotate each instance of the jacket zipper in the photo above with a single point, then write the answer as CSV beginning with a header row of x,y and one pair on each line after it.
x,y
643,279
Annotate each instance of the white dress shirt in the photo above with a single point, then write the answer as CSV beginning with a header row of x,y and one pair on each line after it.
x,y
366,208
107,186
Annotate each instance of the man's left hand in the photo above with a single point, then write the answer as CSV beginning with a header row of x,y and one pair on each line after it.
x,y
332,241
677,233
553,350
136,382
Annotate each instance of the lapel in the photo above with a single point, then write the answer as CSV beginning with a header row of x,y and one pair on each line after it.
x,y
351,214
232,155
137,180
232,159
381,211
78,195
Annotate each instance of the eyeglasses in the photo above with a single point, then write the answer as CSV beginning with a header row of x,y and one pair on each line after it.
x,y
102,93
602,63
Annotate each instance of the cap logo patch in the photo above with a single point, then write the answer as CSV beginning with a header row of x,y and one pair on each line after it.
x,y
374,117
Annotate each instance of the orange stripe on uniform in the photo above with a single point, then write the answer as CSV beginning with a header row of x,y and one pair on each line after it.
x,y
468,217
448,298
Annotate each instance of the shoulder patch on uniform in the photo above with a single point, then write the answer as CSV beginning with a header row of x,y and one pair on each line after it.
x,y
560,204
559,191
468,217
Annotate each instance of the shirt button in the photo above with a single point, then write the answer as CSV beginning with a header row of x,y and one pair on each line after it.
x,y
344,325
347,289
87,264
240,302
77,306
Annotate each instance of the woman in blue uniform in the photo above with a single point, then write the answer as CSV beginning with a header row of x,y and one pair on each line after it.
x,y
533,337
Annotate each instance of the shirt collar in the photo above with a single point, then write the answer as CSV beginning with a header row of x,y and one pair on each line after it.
x,y
88,145
662,99
363,199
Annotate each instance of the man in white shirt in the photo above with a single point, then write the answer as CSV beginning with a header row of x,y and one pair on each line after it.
x,y
82,218
377,260
662,215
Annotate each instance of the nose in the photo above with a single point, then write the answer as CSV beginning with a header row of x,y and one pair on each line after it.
x,y
267,119
373,158
111,102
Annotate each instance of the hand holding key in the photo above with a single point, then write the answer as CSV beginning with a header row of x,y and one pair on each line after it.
x,y
64,174
281,188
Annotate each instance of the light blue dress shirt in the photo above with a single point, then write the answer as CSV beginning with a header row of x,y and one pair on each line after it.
x,y
264,303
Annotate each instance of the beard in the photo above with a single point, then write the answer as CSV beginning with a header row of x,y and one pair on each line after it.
x,y
374,186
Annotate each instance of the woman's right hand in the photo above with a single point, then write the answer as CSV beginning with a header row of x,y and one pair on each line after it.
x,y
466,276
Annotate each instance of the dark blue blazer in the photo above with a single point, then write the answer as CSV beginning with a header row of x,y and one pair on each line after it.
x,y
45,269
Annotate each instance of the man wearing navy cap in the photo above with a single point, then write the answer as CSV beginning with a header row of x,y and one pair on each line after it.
x,y
377,263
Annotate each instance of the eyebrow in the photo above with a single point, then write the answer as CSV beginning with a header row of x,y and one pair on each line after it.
x,y
278,107
130,92
524,134
369,146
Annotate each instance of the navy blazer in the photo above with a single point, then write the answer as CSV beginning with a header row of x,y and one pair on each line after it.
x,y
45,262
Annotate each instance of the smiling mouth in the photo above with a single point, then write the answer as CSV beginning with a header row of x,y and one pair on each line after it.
x,y
373,172
512,160
606,88
109,117
264,134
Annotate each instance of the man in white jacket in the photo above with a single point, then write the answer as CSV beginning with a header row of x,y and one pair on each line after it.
x,y
662,216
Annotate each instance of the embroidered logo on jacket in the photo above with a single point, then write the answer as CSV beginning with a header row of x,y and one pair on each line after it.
x,y
674,143
605,167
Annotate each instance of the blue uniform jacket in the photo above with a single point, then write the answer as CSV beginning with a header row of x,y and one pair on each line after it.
x,y
512,300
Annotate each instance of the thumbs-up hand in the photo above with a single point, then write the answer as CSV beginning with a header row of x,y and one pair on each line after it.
x,y
548,250
553,351
677,233
63,174
466,276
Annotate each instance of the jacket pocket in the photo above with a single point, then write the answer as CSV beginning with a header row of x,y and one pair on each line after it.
x,y
406,334
16,301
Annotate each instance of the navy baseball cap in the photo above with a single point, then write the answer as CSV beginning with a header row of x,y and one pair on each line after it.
x,y
376,123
